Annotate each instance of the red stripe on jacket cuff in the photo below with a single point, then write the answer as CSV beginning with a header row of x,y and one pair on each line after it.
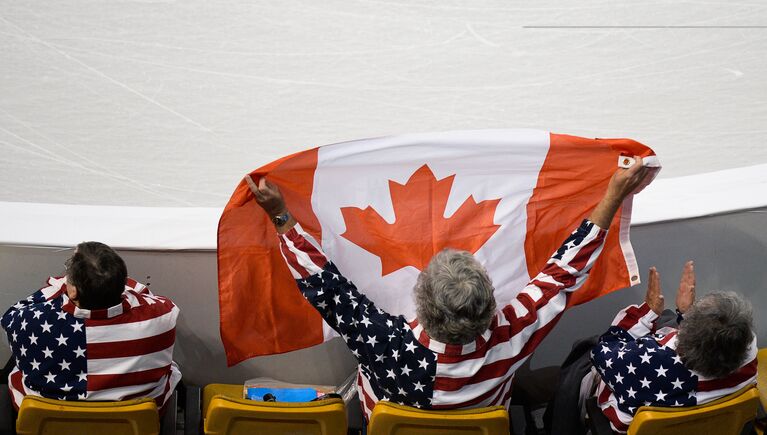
x,y
315,255
296,236
633,316
291,259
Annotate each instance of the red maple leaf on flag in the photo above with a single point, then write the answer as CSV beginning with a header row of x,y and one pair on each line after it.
x,y
420,229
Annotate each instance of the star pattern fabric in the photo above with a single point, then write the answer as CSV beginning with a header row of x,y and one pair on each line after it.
x,y
638,366
399,362
67,353
645,371
50,345
388,353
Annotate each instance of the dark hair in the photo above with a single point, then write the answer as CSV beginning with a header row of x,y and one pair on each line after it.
x,y
716,334
99,275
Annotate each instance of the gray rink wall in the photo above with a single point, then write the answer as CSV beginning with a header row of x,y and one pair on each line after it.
x,y
730,252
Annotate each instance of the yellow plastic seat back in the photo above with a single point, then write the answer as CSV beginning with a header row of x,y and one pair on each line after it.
x,y
42,416
226,413
761,377
761,385
724,416
392,419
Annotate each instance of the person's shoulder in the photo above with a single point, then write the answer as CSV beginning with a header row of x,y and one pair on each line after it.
x,y
146,304
53,289
659,346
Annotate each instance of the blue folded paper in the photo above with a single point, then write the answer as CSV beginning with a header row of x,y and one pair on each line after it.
x,y
282,394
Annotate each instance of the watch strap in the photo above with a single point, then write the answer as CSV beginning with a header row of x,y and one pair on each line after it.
x,y
281,219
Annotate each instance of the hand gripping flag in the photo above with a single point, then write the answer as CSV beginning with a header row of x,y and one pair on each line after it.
x,y
382,207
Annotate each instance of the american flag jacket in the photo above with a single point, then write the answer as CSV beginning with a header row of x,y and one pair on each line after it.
x,y
399,362
639,366
68,353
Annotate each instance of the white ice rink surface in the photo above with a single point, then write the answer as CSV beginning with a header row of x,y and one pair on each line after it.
x,y
151,103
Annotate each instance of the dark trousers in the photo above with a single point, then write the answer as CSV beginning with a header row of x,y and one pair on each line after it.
x,y
532,390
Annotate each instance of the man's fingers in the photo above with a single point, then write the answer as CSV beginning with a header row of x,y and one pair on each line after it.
x,y
688,275
654,276
634,175
641,174
691,271
653,287
250,182
654,297
254,188
267,187
636,167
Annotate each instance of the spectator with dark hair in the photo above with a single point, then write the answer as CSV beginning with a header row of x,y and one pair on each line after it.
x,y
95,276
711,352
93,334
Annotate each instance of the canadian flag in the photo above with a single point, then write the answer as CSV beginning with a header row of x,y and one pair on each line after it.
x,y
382,207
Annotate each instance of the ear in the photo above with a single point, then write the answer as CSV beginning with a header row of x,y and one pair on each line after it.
x,y
72,293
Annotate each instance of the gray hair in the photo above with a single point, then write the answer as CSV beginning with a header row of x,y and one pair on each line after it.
x,y
454,297
716,333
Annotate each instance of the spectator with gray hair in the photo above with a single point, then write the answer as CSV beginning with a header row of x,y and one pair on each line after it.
x,y
454,297
710,352
459,352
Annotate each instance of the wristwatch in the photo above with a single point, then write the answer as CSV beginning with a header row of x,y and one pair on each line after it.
x,y
281,219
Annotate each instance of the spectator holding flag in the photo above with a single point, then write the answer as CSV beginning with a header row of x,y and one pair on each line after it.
x,y
460,351
710,353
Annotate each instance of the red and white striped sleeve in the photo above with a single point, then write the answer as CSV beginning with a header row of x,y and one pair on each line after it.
x,y
536,309
302,253
637,320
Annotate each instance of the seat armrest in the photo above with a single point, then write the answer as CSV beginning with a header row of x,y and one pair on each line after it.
x,y
193,410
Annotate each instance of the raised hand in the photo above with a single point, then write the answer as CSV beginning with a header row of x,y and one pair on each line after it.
x,y
685,296
267,195
654,297
625,181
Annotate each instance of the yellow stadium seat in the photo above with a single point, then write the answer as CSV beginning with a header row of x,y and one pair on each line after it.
x,y
42,416
226,413
761,385
724,416
761,380
392,419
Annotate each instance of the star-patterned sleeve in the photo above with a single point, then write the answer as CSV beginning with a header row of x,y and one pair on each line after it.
x,y
631,324
12,322
42,338
531,314
342,306
637,368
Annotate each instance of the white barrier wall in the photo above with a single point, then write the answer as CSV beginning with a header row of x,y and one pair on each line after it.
x,y
729,251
